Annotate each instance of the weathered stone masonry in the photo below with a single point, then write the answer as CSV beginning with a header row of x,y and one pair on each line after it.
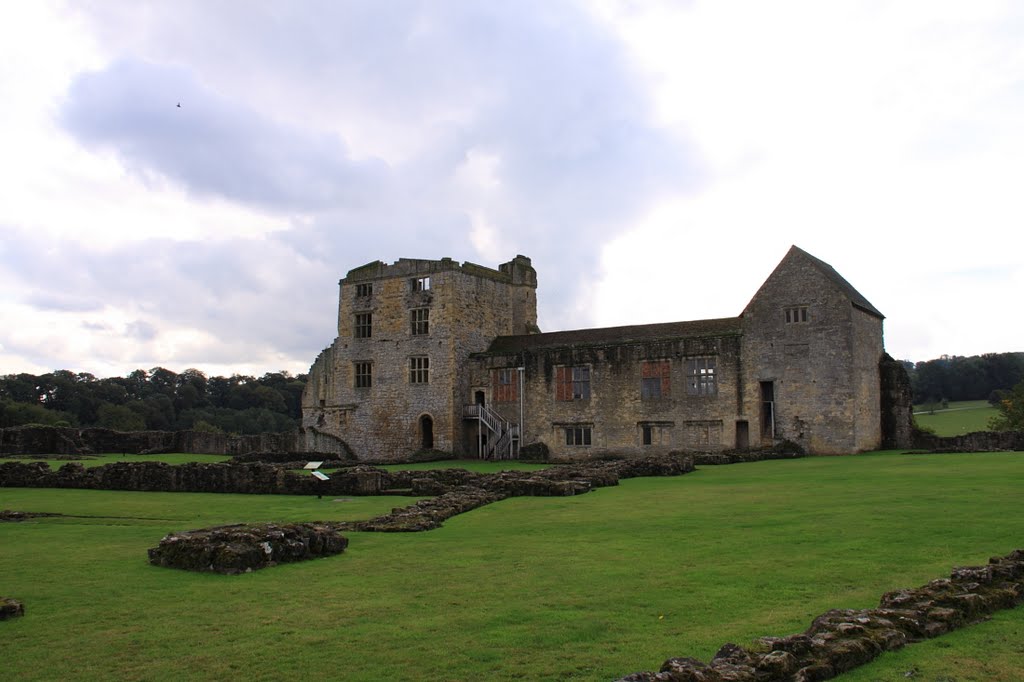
x,y
433,354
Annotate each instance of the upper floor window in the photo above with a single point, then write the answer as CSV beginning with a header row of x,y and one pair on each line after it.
x,y
364,325
364,374
364,289
701,376
420,321
419,370
420,284
573,383
796,314
506,384
655,379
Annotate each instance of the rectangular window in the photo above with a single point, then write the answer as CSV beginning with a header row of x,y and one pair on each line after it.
x,y
420,283
420,321
364,374
572,383
701,376
419,370
655,379
655,433
364,325
703,434
577,435
365,289
796,314
506,384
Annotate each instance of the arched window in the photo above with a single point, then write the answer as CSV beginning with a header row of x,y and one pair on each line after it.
x,y
427,432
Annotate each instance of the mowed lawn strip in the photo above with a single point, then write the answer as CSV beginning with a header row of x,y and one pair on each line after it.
x,y
110,458
959,418
588,587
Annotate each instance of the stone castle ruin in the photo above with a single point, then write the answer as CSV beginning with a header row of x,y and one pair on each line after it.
x,y
437,355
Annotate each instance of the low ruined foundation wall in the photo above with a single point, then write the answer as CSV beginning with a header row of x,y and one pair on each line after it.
x,y
54,440
979,441
840,640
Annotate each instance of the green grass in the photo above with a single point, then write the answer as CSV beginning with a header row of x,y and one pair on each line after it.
x,y
478,465
109,458
589,587
959,418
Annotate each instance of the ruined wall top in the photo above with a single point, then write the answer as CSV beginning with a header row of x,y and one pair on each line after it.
x,y
519,270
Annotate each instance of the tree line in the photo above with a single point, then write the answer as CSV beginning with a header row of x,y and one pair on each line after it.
x,y
157,399
977,377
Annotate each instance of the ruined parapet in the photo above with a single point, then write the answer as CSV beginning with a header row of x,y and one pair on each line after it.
x,y
840,640
897,404
245,548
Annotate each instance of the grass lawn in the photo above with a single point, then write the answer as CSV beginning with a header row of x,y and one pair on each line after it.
x,y
959,418
109,458
589,587
478,465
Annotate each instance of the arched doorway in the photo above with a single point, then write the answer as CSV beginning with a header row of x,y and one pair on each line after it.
x,y
427,432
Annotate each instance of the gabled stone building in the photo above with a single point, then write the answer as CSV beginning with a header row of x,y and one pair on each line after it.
x,y
447,356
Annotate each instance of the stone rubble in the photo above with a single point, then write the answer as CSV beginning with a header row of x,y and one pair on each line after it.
x,y
243,548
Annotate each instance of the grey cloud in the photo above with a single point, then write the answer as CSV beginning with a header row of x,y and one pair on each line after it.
x,y
211,145
539,85
140,330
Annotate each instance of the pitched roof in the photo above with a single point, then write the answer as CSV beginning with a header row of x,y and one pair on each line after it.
x,y
504,345
855,296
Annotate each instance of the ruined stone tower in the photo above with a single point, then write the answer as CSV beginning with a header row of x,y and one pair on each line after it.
x,y
395,380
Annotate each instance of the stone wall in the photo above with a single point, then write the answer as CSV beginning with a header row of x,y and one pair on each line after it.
x,y
243,548
468,305
979,441
897,405
823,371
53,440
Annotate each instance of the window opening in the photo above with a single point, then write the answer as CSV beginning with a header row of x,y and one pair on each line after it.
x,y
655,379
421,284
573,383
506,384
701,376
420,321
419,370
796,314
365,289
768,409
364,325
577,435
364,374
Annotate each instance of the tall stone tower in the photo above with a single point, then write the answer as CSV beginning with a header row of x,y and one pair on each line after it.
x,y
396,378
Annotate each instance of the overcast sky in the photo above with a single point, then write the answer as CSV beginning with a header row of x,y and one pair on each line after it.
x,y
656,160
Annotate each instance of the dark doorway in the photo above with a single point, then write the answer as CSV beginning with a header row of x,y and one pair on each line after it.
x,y
742,435
479,398
427,432
768,409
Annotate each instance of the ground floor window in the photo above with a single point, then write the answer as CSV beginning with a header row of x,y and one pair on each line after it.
x,y
699,434
577,435
655,433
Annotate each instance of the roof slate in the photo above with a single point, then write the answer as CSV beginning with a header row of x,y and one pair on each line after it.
x,y
505,345
855,296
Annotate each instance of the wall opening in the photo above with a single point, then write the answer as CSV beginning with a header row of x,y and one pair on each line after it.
x,y
426,432
479,398
768,410
742,435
